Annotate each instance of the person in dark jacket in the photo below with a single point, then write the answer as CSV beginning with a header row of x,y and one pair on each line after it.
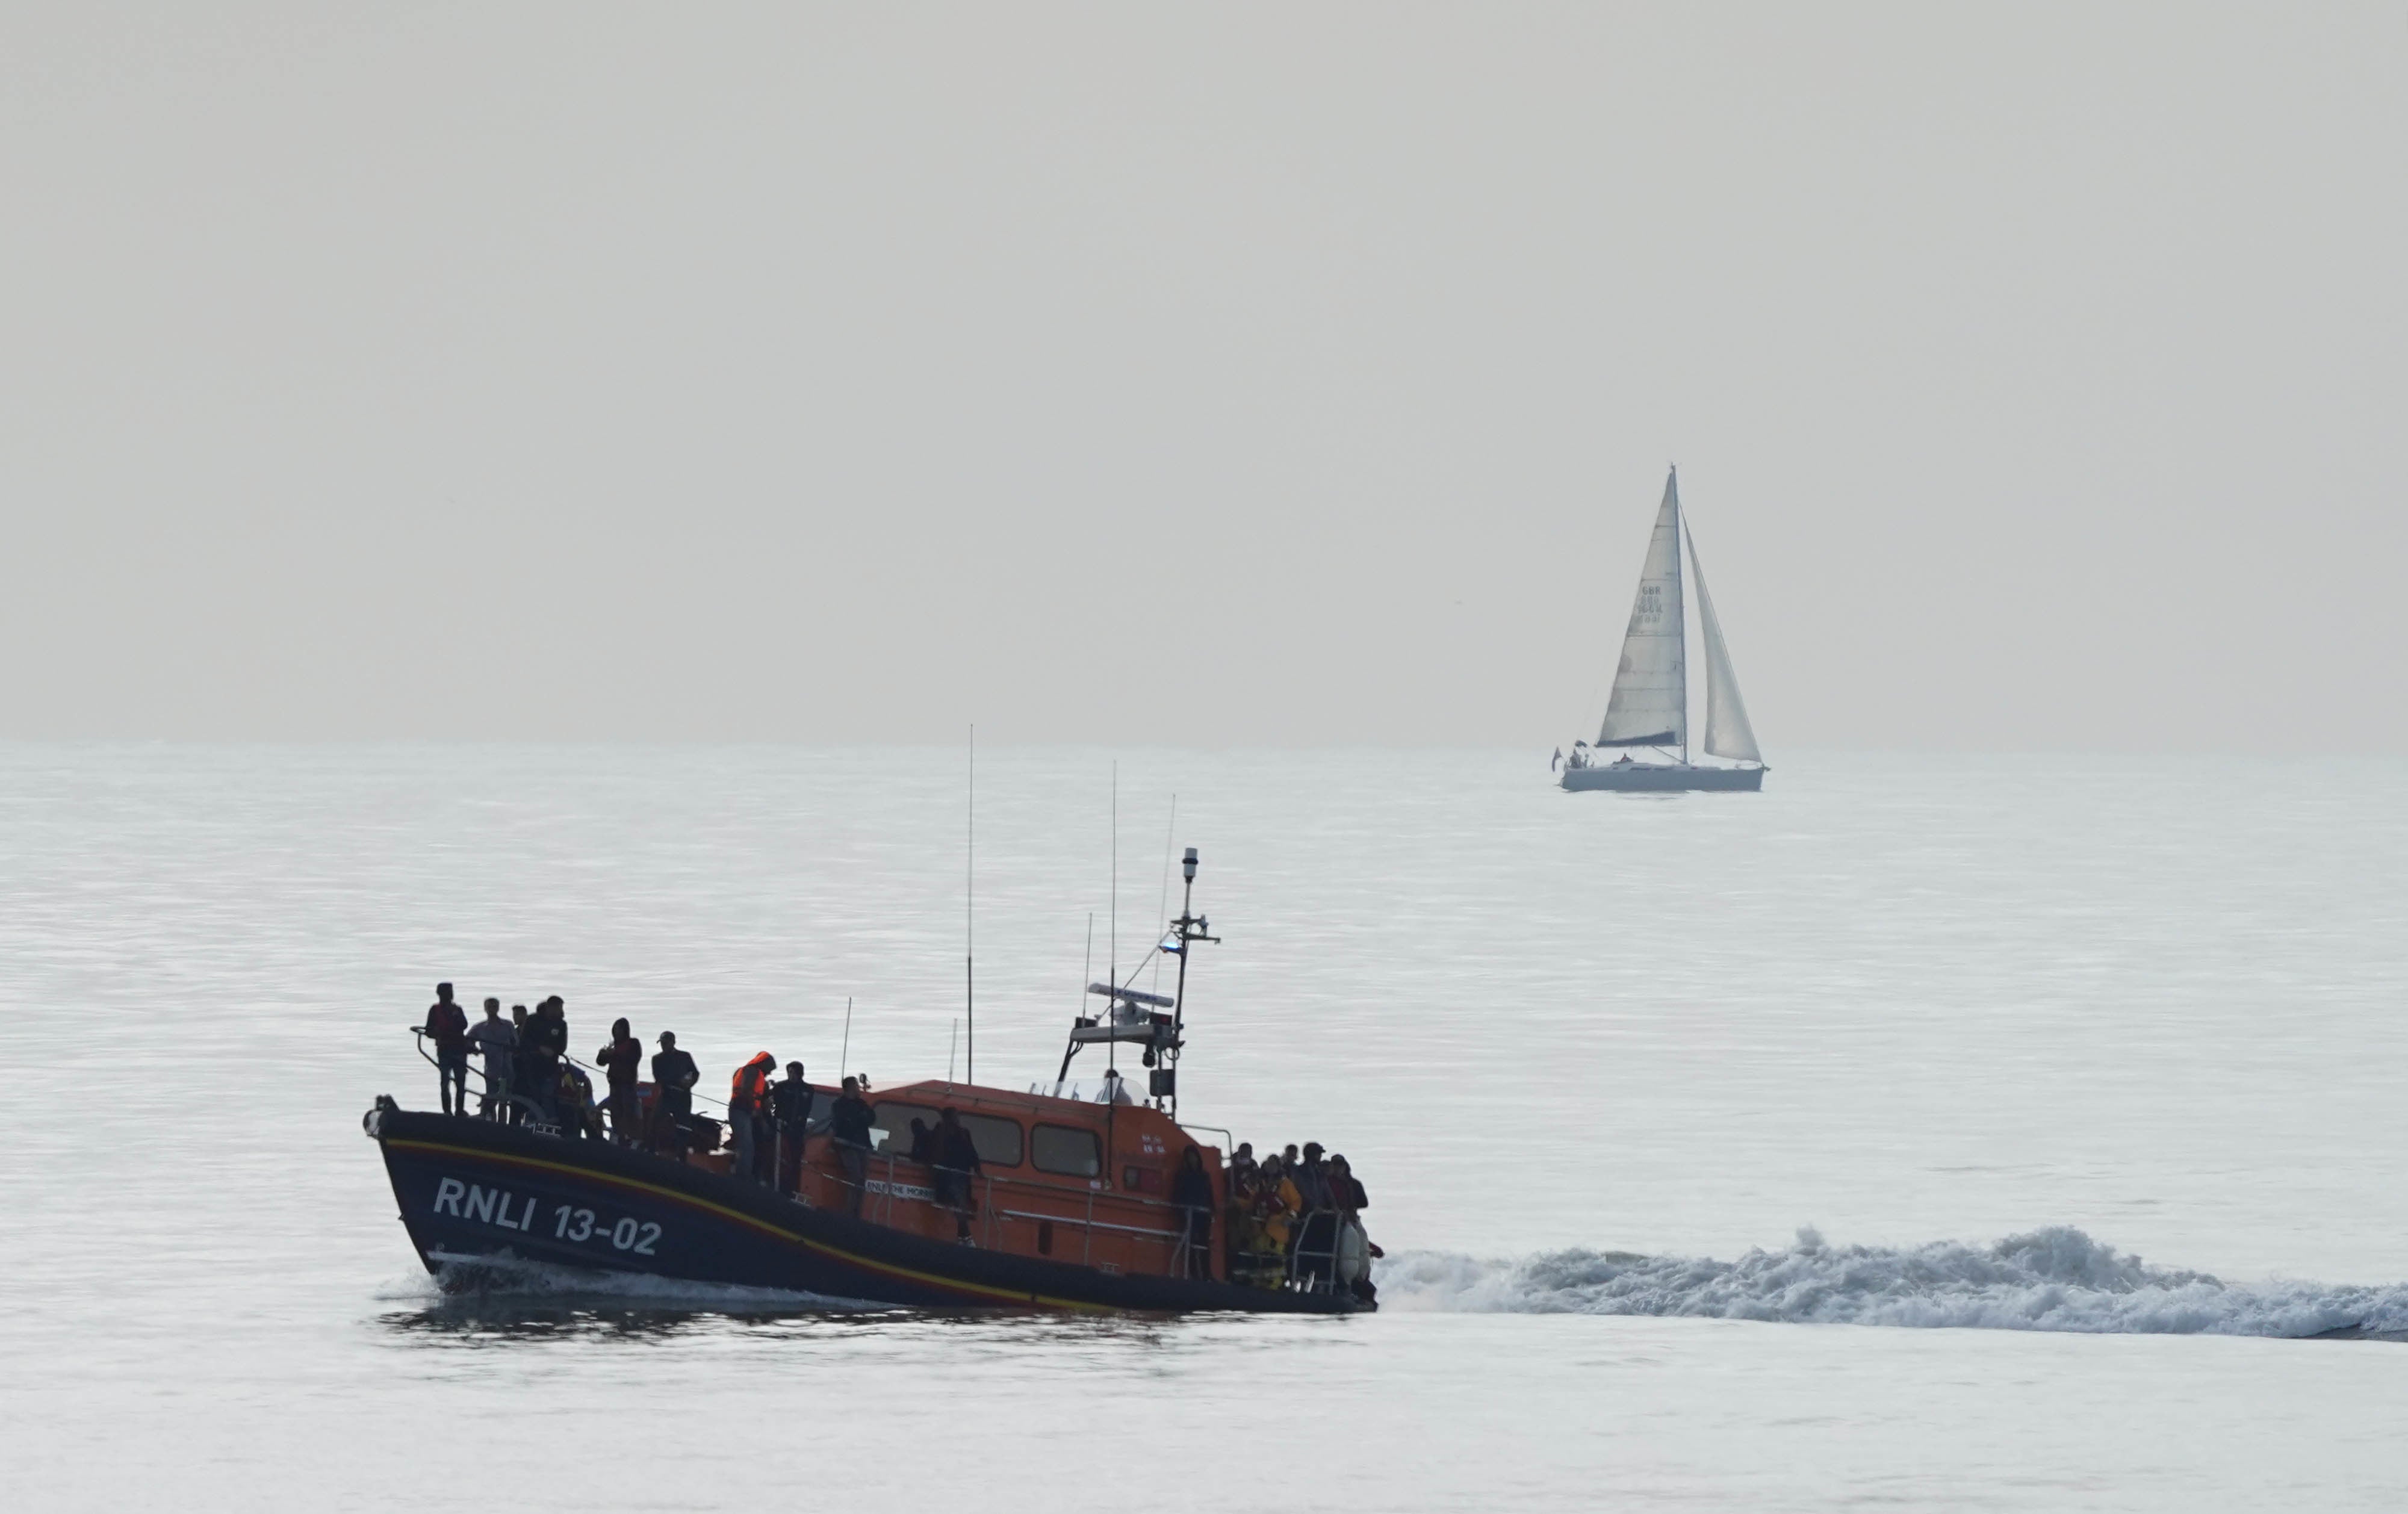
x,y
548,1043
849,1123
1316,1243
524,1065
574,1103
790,1107
957,1163
674,1074
924,1142
446,1025
621,1060
1191,1189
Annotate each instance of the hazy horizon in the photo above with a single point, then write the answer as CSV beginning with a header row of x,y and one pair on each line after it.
x,y
1239,377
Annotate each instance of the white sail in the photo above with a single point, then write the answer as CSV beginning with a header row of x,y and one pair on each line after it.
x,y
1650,703
1728,732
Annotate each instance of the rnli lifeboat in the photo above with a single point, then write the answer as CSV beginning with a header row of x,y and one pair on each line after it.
x,y
1069,1208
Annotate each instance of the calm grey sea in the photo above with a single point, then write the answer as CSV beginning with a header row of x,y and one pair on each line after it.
x,y
1925,1132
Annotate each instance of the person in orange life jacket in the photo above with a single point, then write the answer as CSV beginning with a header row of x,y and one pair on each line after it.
x,y
746,1093
1245,1183
446,1024
849,1123
622,1061
790,1103
957,1163
1276,1203
1191,1189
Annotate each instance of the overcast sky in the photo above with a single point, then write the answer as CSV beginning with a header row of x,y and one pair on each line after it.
x,y
1217,373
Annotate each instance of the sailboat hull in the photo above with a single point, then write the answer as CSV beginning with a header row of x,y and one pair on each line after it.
x,y
1663,777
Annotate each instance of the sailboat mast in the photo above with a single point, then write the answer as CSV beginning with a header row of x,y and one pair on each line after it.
x,y
1674,489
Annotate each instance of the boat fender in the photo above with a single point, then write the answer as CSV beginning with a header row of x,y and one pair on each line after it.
x,y
373,1122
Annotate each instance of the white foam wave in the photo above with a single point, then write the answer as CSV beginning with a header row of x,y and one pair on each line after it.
x,y
2055,1279
535,1281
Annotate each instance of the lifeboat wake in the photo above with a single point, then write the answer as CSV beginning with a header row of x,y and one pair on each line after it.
x,y
516,1280
2055,1279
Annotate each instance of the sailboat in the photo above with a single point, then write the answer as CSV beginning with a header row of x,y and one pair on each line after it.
x,y
1649,708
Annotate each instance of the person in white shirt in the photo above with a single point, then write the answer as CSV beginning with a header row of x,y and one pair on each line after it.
x,y
497,1041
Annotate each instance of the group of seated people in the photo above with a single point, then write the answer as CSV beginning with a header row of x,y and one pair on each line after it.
x,y
1298,1216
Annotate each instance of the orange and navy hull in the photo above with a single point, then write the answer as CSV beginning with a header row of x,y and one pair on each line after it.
x,y
472,1190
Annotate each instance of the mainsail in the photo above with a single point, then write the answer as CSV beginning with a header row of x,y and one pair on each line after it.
x,y
1650,703
1728,732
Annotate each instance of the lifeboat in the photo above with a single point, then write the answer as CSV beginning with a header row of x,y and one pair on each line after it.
x,y
1073,1204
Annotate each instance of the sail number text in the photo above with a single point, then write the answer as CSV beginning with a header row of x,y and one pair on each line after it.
x,y
510,1212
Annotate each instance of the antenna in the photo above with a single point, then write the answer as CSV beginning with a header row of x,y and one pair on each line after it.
x,y
1162,910
845,1047
970,921
1112,940
951,1042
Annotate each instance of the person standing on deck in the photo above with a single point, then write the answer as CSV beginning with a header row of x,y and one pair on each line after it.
x,y
747,1098
790,1103
548,1040
497,1042
849,1124
674,1075
1276,1203
522,1065
448,1025
622,1060
1191,1189
1316,1239
957,1163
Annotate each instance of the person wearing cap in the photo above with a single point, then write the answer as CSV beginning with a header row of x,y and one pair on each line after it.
x,y
674,1074
446,1024
790,1107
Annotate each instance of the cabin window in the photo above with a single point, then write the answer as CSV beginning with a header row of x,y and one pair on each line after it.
x,y
1075,1153
998,1139
890,1132
890,1126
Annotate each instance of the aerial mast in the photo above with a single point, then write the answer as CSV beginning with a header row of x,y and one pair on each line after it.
x,y
1189,927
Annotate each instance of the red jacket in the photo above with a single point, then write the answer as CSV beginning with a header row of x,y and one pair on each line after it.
x,y
449,1025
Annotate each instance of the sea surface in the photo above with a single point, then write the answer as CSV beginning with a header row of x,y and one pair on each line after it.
x,y
1948,1133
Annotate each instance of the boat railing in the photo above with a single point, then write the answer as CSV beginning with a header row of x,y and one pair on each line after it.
x,y
990,1214
533,1114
